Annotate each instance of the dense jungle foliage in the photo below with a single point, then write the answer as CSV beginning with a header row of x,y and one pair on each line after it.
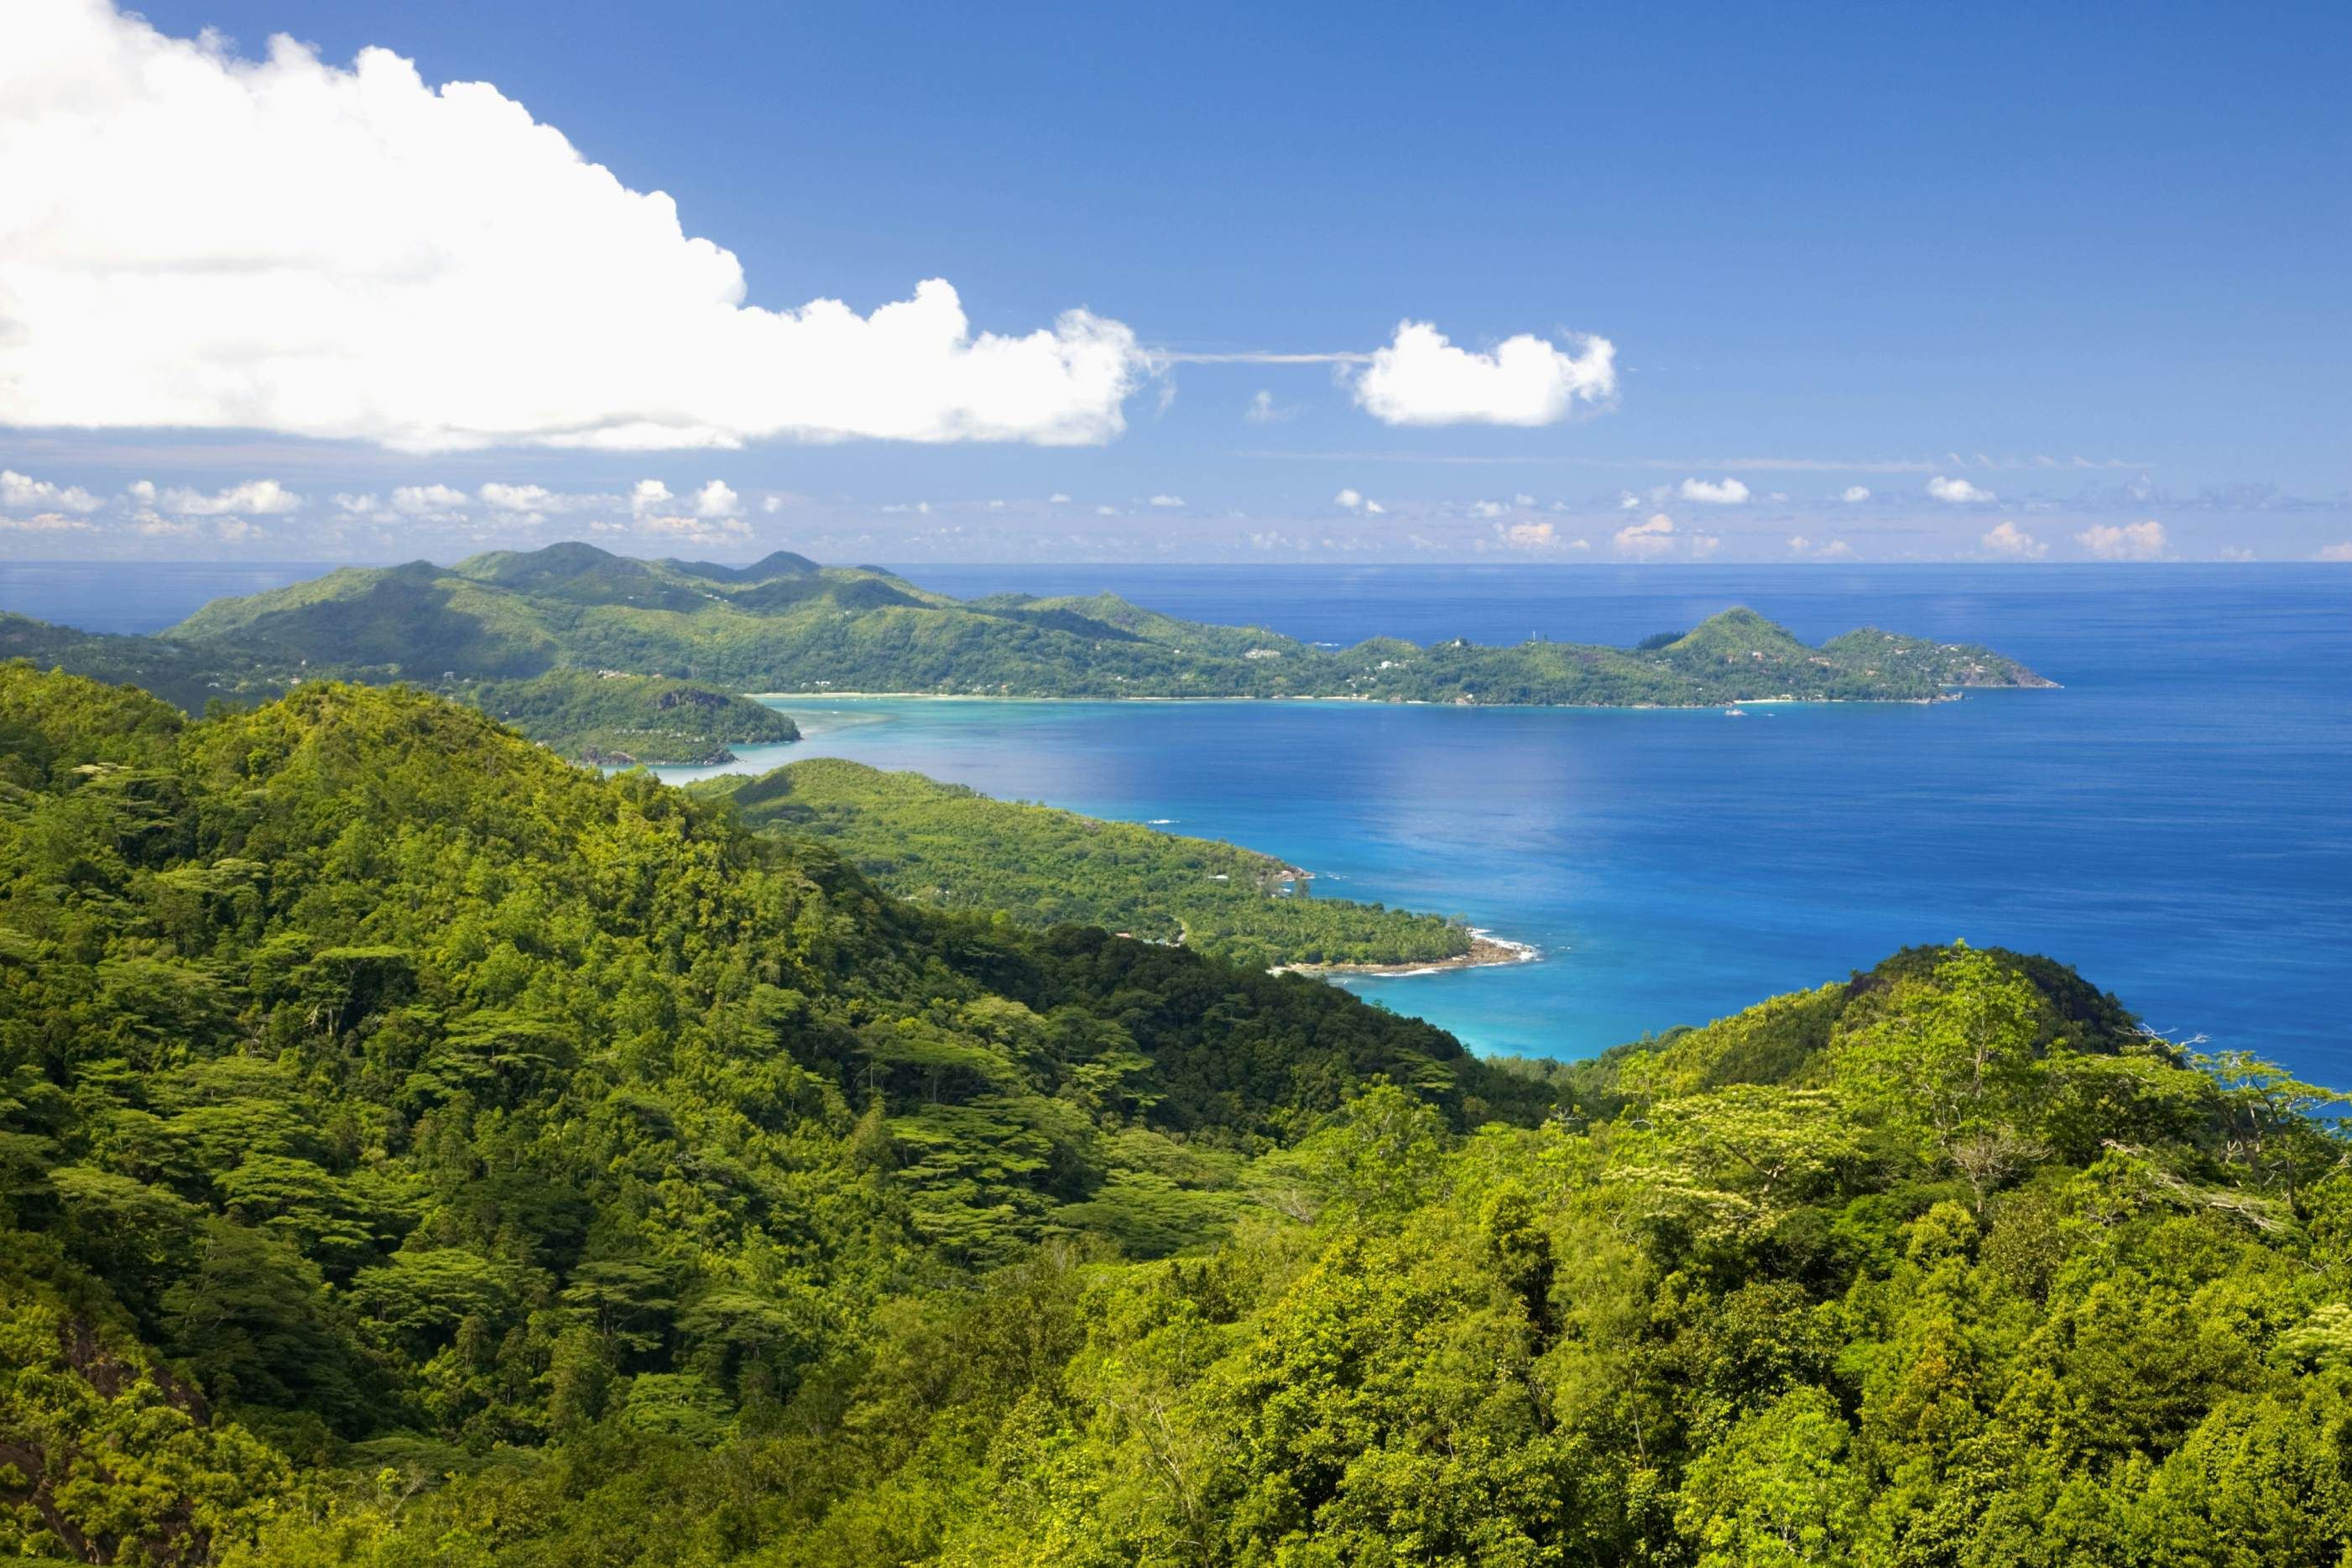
x,y
419,1151
356,1052
616,720
180,674
787,624
947,846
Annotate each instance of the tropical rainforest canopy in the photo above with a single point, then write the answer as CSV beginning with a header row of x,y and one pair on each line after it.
x,y
947,846
616,720
417,1150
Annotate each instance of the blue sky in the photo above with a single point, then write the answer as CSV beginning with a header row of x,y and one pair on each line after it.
x,y
2083,264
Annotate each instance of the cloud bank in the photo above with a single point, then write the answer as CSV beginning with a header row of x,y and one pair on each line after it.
x,y
194,240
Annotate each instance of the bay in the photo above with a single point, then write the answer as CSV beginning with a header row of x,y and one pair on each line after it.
x,y
2175,822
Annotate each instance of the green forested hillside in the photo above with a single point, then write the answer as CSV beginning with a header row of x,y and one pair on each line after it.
x,y
617,720
591,716
419,1151
946,846
786,624
181,676
373,1078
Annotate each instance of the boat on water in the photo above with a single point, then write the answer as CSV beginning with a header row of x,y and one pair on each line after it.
x,y
1735,713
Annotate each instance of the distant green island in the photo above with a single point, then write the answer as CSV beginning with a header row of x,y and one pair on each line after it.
x,y
950,848
787,624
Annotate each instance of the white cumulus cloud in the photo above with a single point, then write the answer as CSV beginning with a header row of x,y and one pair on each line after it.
x,y
2336,552
1421,378
694,530
716,500
1958,490
22,492
2006,538
1715,493
192,239
2131,541
261,497
428,500
1856,493
518,498
1167,500
1647,539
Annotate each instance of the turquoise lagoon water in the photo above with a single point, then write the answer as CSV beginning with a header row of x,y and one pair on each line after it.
x,y
2176,822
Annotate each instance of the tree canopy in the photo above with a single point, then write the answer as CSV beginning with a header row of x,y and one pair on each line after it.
x,y
947,847
417,1150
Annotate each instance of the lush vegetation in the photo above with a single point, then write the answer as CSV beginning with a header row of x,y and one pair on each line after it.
x,y
603,716
380,1093
786,624
418,1151
947,846
617,720
179,674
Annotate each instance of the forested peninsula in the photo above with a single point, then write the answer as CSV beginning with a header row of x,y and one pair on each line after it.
x,y
616,720
786,624
418,1150
951,848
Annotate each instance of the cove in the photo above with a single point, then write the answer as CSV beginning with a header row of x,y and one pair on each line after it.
x,y
2174,822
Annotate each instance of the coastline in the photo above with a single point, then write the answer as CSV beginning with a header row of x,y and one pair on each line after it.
x,y
1956,694
1487,951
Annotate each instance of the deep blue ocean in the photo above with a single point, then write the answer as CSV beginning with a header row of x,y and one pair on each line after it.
x,y
2176,822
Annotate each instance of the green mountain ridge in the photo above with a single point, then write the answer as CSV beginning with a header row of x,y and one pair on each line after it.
x,y
786,624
